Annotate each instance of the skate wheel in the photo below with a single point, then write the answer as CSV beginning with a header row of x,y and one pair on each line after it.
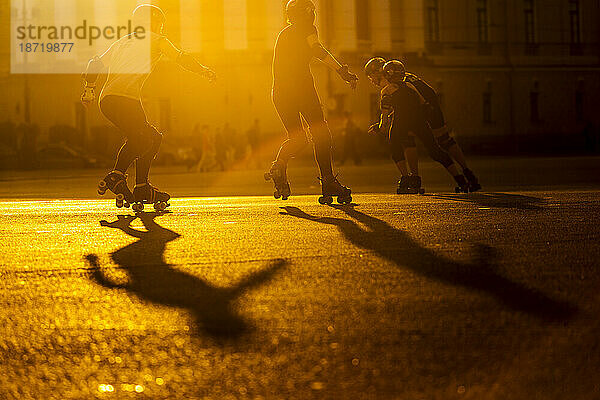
x,y
344,200
121,197
325,200
276,194
160,206
120,203
137,207
101,191
126,205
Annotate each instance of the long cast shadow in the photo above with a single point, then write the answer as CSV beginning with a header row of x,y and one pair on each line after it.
x,y
152,279
496,200
398,247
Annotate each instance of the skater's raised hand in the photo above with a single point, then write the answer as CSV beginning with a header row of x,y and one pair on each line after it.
x,y
375,129
349,77
210,75
322,54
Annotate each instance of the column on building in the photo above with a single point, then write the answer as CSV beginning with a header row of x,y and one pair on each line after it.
x,y
190,19
380,18
414,25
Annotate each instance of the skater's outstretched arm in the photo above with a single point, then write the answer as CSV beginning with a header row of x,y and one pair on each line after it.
x,y
322,54
185,60
97,276
258,278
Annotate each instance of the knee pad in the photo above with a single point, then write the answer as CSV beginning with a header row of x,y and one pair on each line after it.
x,y
439,155
446,141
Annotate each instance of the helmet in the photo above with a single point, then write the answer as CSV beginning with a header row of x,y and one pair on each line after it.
x,y
394,71
300,11
148,13
374,69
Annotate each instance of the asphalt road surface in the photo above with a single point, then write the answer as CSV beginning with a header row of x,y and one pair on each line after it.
x,y
483,296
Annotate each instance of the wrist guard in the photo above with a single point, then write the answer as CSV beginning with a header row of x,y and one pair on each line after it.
x,y
89,94
347,76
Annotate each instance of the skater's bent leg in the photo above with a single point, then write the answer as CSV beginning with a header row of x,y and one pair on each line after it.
x,y
400,161
126,156
412,159
127,115
322,147
291,147
448,144
289,113
143,164
435,151
405,143
321,136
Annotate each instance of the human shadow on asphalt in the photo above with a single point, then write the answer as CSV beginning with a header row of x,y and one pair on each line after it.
x,y
479,274
495,200
150,278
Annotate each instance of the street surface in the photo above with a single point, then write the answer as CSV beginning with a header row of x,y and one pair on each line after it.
x,y
492,295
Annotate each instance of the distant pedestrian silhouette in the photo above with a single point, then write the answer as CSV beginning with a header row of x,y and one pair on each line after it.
x,y
153,280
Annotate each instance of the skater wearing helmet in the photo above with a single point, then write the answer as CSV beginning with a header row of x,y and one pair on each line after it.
x,y
402,119
295,98
437,122
130,60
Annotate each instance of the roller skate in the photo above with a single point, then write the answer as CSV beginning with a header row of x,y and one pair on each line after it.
x,y
331,188
278,175
410,185
148,194
116,182
472,180
463,185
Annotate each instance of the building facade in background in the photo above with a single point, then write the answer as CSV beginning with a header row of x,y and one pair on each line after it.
x,y
503,68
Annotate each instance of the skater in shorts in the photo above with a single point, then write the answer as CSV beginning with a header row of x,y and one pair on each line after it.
x,y
130,60
296,100
403,119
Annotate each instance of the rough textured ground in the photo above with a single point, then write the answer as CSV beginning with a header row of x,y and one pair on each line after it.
x,y
487,296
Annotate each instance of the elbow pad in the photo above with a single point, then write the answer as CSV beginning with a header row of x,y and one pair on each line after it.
x,y
319,52
95,66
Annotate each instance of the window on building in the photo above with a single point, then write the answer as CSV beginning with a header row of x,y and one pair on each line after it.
x,y
487,104
534,103
574,21
363,24
575,27
482,21
530,34
531,46
236,24
432,33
